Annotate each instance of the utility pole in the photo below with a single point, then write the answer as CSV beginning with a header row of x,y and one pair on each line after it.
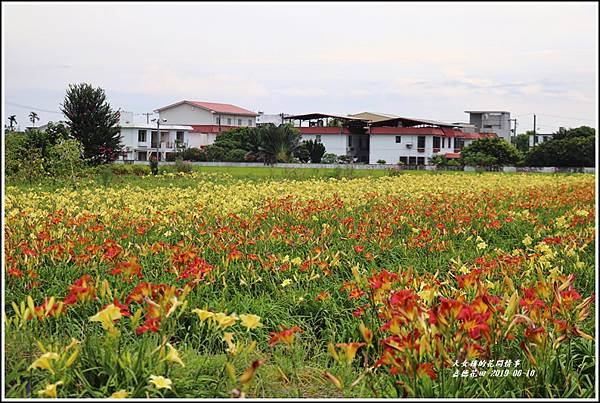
x,y
147,116
534,131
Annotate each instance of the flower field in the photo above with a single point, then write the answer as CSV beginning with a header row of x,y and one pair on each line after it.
x,y
417,285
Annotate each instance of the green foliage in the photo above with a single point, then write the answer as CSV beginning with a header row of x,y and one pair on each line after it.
x,y
66,159
521,141
182,167
344,159
479,159
582,131
236,155
563,152
33,117
302,153
278,143
215,153
490,151
382,162
329,158
316,151
93,122
439,160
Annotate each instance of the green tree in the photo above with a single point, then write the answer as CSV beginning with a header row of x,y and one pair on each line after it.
x,y
497,148
278,143
574,147
33,117
521,141
66,158
12,122
302,153
480,160
316,151
92,121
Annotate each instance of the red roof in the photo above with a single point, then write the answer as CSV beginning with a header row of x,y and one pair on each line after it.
x,y
215,107
429,131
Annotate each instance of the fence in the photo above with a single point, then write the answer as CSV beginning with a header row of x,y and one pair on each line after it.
x,y
381,167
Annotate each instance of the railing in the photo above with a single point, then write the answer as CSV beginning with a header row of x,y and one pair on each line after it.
x,y
421,149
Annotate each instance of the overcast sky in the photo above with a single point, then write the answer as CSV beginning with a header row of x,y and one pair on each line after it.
x,y
426,60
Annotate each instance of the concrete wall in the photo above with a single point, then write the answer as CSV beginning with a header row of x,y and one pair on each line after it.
x,y
334,143
372,166
384,147
186,114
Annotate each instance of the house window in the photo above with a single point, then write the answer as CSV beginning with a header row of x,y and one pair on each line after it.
x,y
350,141
436,142
398,139
487,126
239,122
403,160
420,160
142,136
443,142
450,142
412,160
229,121
318,138
142,156
421,144
249,122
180,137
458,144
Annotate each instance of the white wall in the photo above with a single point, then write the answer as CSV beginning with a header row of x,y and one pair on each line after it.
x,y
334,143
384,147
186,114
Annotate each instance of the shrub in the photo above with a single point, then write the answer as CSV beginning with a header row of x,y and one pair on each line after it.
x,y
381,162
215,153
499,150
563,152
182,167
236,155
344,159
329,158
315,151
140,170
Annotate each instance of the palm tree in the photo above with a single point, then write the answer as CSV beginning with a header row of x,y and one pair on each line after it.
x,y
12,122
278,143
33,117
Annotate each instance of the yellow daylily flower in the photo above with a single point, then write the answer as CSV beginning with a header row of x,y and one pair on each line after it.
x,y
296,261
225,321
203,314
44,361
50,390
160,382
173,355
286,282
231,347
251,321
121,394
107,316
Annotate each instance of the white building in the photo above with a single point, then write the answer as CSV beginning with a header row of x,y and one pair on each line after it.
x,y
207,119
539,138
276,119
372,137
141,140
497,122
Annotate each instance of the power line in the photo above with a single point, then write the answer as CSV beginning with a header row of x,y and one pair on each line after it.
x,y
567,117
33,108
